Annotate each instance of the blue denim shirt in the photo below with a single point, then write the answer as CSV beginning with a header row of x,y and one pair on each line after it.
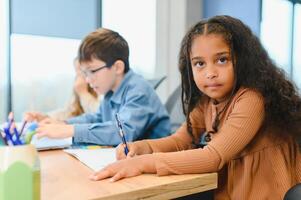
x,y
140,110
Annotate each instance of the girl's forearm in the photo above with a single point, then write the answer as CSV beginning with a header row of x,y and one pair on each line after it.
x,y
147,163
143,147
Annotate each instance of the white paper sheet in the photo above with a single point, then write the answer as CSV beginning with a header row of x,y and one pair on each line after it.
x,y
95,159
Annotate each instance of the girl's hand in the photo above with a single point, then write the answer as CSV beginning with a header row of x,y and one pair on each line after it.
x,y
133,151
34,116
55,130
126,168
135,148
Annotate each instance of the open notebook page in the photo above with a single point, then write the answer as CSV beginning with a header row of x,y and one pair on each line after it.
x,y
95,159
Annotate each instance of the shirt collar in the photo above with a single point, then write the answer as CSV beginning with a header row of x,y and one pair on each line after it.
x,y
117,95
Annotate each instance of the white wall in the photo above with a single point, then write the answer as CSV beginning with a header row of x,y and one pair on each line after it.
x,y
173,20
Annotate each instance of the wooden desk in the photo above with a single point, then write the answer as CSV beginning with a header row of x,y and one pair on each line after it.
x,y
64,177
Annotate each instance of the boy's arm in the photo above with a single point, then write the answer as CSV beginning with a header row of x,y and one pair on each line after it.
x,y
143,116
105,133
137,117
85,118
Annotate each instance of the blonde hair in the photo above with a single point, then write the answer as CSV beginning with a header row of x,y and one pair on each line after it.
x,y
76,106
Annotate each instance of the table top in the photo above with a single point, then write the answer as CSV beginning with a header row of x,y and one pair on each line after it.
x,y
65,177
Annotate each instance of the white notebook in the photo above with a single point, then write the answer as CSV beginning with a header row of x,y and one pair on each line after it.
x,y
95,159
46,143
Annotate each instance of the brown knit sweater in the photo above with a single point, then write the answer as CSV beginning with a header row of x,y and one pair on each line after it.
x,y
252,161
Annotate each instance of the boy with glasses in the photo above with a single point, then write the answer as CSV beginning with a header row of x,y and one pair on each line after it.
x,y
104,61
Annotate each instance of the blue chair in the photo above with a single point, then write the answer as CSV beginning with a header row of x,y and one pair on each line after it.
x,y
173,106
156,81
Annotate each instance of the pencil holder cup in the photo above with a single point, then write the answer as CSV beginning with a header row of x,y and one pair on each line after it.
x,y
19,173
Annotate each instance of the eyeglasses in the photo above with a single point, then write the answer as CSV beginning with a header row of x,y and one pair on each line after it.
x,y
89,73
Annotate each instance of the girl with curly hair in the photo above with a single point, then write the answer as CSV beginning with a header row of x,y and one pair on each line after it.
x,y
242,118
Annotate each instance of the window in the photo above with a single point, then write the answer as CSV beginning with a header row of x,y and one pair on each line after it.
x,y
297,46
281,35
42,72
4,57
135,20
43,47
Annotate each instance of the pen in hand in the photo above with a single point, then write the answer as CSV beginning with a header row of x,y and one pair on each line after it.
x,y
121,134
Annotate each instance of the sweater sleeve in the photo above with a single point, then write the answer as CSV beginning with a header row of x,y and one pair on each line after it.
x,y
181,139
238,129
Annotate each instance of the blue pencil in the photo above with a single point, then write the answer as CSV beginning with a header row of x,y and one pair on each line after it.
x,y
17,135
121,134
8,137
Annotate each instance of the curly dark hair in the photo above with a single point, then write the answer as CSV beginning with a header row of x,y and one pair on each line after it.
x,y
253,68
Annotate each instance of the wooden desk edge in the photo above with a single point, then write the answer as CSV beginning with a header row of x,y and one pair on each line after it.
x,y
174,190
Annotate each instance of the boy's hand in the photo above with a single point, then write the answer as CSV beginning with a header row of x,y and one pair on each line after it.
x,y
126,168
34,116
50,120
55,130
